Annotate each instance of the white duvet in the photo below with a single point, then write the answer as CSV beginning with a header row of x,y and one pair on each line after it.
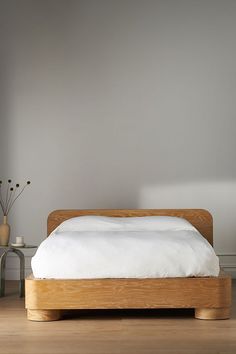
x,y
144,247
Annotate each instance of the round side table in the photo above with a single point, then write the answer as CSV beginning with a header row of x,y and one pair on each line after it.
x,y
20,254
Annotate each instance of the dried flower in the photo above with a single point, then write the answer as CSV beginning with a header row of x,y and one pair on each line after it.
x,y
7,202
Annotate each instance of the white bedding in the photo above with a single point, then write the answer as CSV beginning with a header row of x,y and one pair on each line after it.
x,y
150,247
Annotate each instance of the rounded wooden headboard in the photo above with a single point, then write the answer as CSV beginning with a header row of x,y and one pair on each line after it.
x,y
199,218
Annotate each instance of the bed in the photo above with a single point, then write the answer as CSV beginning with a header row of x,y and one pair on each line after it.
x,y
46,299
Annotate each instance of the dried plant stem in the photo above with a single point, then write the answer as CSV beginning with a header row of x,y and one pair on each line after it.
x,y
6,202
11,197
13,200
2,207
1,201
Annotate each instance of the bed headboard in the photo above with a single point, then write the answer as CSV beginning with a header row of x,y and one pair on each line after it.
x,y
199,218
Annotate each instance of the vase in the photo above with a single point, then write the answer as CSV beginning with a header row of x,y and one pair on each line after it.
x,y
4,232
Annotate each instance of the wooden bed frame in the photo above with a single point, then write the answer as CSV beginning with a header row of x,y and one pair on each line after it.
x,y
209,296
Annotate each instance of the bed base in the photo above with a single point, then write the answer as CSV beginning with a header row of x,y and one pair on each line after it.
x,y
47,298
209,296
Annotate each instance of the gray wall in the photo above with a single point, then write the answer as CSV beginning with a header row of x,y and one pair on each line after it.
x,y
119,104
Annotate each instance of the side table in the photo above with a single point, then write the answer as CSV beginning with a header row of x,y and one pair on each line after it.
x,y
20,254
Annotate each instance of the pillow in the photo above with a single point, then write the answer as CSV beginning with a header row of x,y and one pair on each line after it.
x,y
142,223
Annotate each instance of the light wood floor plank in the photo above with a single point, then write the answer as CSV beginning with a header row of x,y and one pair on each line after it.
x,y
113,332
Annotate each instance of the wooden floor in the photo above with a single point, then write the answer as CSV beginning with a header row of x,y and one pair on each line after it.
x,y
111,332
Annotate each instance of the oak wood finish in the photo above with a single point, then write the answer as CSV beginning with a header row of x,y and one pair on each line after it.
x,y
161,331
213,293
222,313
129,293
43,315
199,218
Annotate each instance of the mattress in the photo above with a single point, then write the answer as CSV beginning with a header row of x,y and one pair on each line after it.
x,y
100,248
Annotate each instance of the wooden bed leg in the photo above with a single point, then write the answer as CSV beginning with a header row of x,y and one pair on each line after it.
x,y
212,313
43,315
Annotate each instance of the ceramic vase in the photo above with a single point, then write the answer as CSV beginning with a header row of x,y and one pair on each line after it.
x,y
4,232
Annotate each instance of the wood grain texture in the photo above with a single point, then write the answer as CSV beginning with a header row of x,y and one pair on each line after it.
x,y
161,331
43,315
199,218
213,292
212,314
